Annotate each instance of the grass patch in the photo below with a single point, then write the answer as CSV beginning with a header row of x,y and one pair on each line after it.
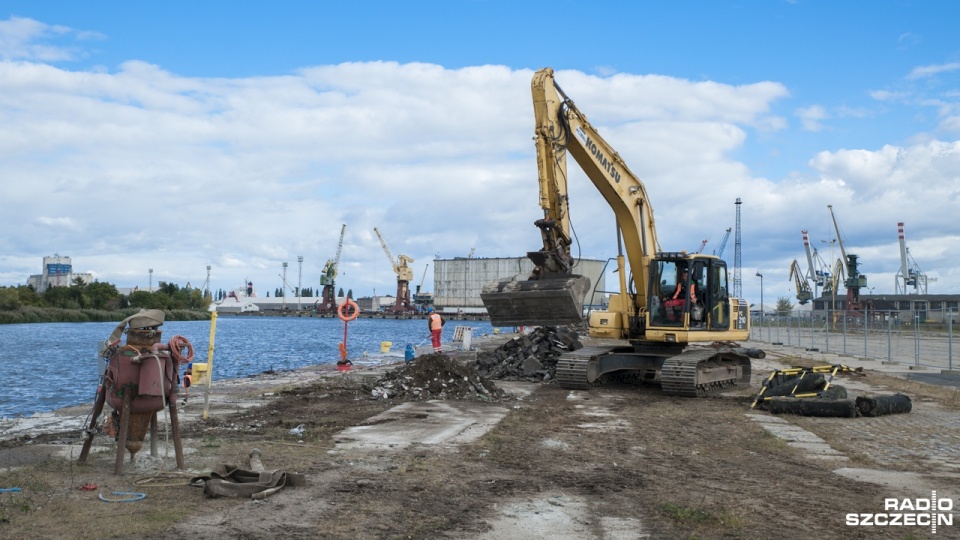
x,y
685,515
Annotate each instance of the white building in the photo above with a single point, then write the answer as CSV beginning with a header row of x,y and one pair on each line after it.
x,y
57,272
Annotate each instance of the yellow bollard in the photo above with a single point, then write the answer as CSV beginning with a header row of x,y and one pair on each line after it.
x,y
209,364
200,372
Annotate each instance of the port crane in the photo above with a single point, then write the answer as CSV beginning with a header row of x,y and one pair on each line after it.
x,y
854,280
703,244
804,294
723,243
909,274
817,273
328,276
404,276
422,299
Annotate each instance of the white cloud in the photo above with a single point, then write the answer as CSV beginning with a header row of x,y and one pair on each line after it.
x,y
923,72
142,168
811,118
26,39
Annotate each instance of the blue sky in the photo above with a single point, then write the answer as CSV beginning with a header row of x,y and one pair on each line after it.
x,y
267,126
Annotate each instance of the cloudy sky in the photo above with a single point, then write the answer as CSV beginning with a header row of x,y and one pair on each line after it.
x,y
241,135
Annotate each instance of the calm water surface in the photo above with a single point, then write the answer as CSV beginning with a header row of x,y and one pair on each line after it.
x,y
54,365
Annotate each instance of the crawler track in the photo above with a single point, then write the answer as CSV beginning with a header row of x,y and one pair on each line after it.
x,y
691,373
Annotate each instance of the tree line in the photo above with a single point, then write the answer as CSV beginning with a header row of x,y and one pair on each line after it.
x,y
103,296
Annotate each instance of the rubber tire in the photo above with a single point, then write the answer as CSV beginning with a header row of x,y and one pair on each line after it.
x,y
883,405
784,387
835,408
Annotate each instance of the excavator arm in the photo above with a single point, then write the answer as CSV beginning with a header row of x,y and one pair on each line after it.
x,y
556,294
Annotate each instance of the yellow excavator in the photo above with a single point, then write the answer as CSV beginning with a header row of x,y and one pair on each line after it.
x,y
671,301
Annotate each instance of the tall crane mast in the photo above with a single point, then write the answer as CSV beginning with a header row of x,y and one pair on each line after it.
x,y
404,276
703,244
854,280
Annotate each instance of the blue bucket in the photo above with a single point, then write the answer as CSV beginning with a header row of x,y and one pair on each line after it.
x,y
409,354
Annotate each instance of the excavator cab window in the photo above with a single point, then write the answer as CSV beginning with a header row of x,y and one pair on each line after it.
x,y
697,296
717,301
669,288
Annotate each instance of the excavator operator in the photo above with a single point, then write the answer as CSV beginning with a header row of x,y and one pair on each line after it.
x,y
674,304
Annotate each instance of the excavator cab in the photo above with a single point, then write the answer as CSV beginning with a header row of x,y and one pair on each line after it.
x,y
688,292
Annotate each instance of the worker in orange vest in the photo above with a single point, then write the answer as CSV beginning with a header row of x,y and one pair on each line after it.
x,y
436,322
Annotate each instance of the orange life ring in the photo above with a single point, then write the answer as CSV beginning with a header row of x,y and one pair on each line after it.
x,y
343,310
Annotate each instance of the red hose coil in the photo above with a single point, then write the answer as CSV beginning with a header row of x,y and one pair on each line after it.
x,y
177,344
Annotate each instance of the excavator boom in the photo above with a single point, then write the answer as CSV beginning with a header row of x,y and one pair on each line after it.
x,y
555,294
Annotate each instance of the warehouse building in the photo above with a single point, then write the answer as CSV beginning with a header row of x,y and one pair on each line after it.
x,y
457,282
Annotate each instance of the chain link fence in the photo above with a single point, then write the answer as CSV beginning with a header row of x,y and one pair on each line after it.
x,y
921,339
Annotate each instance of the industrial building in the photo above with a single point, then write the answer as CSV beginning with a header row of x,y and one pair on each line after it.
x,y
57,272
457,282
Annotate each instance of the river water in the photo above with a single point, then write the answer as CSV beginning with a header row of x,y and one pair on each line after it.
x,y
53,365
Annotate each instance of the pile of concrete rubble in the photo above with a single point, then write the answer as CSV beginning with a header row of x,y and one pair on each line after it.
x,y
528,357
435,376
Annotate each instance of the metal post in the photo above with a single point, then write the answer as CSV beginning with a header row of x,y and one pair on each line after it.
x,y
299,280
866,312
283,301
889,337
826,335
916,339
759,275
844,327
950,339
789,321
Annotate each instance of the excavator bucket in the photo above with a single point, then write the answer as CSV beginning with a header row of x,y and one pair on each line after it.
x,y
537,302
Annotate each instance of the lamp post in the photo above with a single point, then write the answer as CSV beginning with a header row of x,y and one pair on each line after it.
x,y
299,278
283,301
759,275
150,286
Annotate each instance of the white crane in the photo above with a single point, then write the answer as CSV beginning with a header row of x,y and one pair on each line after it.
x,y
909,273
817,270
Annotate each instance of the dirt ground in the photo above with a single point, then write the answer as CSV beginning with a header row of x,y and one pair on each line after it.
x,y
611,462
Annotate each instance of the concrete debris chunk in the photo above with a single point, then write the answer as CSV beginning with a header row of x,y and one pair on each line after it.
x,y
435,376
529,357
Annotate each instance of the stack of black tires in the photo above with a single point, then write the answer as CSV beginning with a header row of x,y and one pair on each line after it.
x,y
810,394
